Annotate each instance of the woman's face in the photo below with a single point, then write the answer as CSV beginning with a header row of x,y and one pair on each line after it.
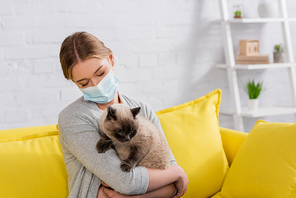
x,y
92,71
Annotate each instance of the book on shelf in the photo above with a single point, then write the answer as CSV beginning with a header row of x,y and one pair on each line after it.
x,y
252,59
251,62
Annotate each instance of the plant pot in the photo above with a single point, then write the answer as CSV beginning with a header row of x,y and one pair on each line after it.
x,y
279,57
238,11
253,104
268,10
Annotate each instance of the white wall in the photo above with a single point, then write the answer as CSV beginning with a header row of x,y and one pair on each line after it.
x,y
166,51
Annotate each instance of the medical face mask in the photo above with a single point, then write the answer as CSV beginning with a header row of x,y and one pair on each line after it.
x,y
104,92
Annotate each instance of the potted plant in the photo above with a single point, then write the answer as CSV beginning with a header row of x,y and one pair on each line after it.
x,y
278,54
253,90
238,11
238,14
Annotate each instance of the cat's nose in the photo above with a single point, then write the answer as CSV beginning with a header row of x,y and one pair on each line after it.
x,y
127,138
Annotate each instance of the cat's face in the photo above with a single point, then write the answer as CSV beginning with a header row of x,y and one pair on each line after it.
x,y
121,123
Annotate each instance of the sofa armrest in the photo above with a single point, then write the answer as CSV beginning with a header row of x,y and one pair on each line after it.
x,y
232,141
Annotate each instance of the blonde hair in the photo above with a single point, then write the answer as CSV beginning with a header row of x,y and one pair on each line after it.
x,y
79,47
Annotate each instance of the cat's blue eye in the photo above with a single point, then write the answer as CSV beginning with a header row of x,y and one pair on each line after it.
x,y
120,131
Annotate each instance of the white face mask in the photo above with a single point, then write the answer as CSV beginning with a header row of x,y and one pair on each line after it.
x,y
104,92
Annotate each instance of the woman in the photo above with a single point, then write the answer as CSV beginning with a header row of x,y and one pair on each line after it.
x,y
89,64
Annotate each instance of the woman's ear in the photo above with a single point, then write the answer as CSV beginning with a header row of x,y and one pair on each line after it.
x,y
112,59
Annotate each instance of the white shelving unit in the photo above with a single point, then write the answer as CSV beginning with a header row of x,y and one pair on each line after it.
x,y
263,111
259,66
260,20
238,112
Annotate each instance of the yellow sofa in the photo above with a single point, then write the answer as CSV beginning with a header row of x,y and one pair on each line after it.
x,y
219,162
31,161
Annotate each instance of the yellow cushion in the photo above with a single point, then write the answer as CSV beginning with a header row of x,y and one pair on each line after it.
x,y
232,141
265,165
192,131
32,166
20,132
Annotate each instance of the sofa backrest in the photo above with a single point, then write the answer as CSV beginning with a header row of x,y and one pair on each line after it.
x,y
232,141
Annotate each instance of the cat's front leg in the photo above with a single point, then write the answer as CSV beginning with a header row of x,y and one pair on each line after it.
x,y
104,144
135,156
126,167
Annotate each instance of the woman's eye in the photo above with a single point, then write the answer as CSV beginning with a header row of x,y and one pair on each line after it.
x,y
101,74
84,84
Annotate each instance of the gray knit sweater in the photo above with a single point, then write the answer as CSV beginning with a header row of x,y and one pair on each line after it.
x,y
79,133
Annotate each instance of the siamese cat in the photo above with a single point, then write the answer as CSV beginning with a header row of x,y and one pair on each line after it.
x,y
136,140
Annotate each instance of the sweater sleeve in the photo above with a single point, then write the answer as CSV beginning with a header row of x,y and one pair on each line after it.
x,y
80,137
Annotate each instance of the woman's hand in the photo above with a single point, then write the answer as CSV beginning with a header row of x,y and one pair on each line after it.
x,y
110,193
182,182
101,193
104,184
113,194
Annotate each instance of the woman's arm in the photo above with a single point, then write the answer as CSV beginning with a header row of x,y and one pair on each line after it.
x,y
160,184
80,140
174,174
163,192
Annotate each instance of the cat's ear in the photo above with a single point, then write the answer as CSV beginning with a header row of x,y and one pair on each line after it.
x,y
111,113
135,111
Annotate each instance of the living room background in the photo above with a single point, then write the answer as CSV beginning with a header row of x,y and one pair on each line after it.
x,y
166,54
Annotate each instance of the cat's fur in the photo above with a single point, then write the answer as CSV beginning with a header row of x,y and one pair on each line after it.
x,y
136,140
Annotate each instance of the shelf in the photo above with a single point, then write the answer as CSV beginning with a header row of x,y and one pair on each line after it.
x,y
261,20
263,111
259,66
227,24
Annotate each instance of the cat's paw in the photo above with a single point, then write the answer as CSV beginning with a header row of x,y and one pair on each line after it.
x,y
102,148
125,167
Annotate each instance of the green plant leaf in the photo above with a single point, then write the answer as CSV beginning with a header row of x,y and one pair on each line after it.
x,y
278,48
237,13
253,89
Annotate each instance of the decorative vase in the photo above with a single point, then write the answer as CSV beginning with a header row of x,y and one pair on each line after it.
x,y
253,104
279,57
268,10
